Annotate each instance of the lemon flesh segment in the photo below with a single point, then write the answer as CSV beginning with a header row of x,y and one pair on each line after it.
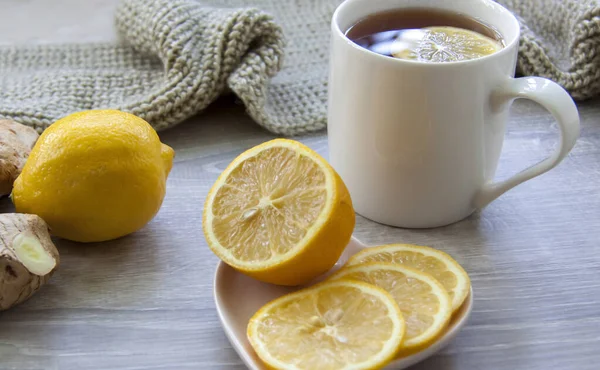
x,y
279,213
267,204
444,44
332,325
429,260
424,302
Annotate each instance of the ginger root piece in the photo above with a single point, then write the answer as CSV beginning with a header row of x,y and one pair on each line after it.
x,y
27,257
16,141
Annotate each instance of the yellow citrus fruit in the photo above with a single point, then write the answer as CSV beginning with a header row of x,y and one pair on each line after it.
x,y
279,213
432,261
444,44
332,325
424,302
95,175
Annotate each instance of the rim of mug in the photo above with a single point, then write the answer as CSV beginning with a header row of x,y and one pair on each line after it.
x,y
505,49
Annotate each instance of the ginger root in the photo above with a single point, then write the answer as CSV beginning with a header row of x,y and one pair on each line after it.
x,y
16,141
28,257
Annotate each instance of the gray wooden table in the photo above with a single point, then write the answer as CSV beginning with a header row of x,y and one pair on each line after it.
x,y
145,301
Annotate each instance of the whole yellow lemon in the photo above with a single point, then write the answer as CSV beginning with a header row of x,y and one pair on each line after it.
x,y
95,175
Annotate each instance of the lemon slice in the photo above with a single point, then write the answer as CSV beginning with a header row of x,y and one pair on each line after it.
x,y
432,261
444,44
332,325
279,213
424,302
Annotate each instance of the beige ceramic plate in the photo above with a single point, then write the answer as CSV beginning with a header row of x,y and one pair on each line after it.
x,y
238,297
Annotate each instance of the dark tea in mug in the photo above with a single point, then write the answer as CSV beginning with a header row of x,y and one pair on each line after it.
x,y
425,35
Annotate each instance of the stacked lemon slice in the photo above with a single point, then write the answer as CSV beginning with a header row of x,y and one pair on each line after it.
x,y
405,300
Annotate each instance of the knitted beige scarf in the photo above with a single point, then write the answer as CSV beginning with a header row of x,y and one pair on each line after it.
x,y
177,56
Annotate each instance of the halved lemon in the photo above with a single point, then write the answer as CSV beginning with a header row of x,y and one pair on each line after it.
x,y
432,261
444,44
424,302
332,325
279,213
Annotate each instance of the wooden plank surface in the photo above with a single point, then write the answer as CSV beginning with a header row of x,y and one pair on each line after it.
x,y
145,301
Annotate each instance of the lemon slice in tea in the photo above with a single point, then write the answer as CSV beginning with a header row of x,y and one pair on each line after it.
x,y
444,44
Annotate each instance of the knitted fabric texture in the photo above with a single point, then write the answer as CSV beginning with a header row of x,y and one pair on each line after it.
x,y
177,56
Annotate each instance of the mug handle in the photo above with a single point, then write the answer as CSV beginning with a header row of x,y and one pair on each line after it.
x,y
558,102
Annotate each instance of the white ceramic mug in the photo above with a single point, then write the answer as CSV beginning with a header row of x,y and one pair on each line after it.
x,y
418,143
